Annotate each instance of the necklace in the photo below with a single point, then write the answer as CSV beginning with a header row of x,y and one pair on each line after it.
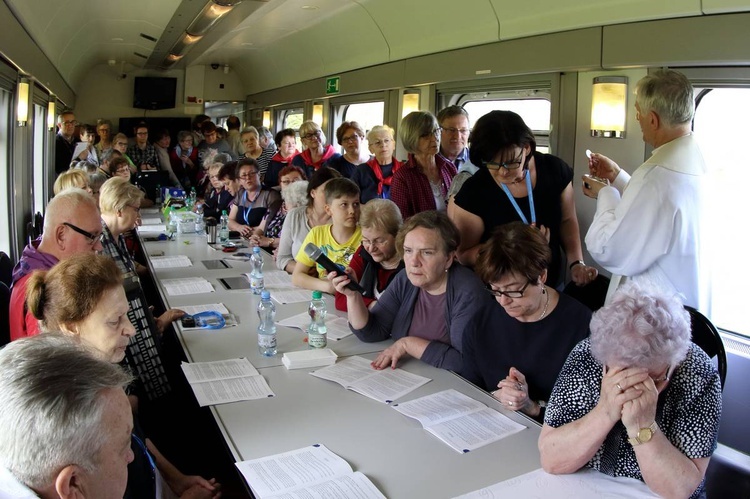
x,y
546,304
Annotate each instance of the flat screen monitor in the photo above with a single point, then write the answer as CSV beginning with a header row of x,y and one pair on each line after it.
x,y
154,93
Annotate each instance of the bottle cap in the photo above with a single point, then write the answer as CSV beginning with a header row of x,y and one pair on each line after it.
x,y
256,249
265,295
317,295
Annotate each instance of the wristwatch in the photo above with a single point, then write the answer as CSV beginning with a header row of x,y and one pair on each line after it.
x,y
577,262
644,435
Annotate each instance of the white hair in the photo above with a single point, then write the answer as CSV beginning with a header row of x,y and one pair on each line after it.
x,y
295,194
51,406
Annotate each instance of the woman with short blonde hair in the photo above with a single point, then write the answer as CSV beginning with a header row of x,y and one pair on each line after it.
x,y
315,153
71,178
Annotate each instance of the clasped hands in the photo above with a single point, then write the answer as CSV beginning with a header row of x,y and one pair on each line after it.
x,y
513,392
629,395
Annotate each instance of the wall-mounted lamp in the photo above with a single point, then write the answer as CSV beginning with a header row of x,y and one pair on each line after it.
x,y
22,102
267,118
609,106
317,116
51,116
410,102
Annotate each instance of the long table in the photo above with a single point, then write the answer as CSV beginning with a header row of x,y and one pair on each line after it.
x,y
394,451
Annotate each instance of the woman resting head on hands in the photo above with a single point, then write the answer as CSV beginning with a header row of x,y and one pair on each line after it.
x,y
429,304
376,262
83,296
528,321
637,399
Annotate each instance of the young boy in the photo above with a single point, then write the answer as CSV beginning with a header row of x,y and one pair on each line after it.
x,y
338,240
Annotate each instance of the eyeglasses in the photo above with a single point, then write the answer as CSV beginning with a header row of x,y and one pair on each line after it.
x,y
379,143
508,165
287,182
353,138
453,131
378,241
92,238
518,293
142,133
309,136
68,123
434,133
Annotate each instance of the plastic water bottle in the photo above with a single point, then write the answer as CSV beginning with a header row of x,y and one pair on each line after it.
x,y
157,198
200,224
267,326
256,275
317,336
224,228
191,199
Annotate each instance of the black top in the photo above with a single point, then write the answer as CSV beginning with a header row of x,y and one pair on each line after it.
x,y
483,197
63,153
495,342
341,165
365,178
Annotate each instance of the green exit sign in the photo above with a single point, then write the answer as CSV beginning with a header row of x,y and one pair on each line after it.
x,y
333,85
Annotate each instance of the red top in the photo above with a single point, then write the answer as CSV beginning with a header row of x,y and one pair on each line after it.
x,y
22,321
358,266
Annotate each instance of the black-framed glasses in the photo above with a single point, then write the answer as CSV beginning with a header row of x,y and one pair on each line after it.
x,y
249,174
517,293
352,138
434,133
309,136
92,238
454,131
508,165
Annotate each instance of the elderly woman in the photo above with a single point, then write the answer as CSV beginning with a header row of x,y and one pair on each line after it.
x,y
375,176
184,159
252,201
422,183
637,399
428,306
228,176
300,220
217,197
253,150
72,178
315,153
287,149
350,135
83,296
376,262
96,180
529,321
514,182
268,233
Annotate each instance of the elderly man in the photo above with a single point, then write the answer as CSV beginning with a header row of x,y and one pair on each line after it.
x,y
649,227
66,421
454,132
65,142
71,226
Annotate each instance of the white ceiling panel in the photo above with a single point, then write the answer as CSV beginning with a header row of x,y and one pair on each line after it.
x,y
533,17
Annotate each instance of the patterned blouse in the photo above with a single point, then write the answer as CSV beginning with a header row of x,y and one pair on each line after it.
x,y
688,411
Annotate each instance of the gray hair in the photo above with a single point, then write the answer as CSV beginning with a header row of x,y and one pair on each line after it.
x,y
250,129
222,158
184,134
450,112
51,392
641,327
381,214
96,180
415,125
669,94
295,194
265,132
63,205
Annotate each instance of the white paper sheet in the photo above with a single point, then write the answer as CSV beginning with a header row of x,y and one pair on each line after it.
x,y
211,307
337,328
151,220
171,262
277,280
198,372
355,373
584,484
150,211
149,229
231,390
291,296
309,473
187,286
458,420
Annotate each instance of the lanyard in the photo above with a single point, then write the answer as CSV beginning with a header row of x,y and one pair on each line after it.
x,y
515,204
143,448
249,208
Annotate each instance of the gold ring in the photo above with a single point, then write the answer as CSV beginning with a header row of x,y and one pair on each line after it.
x,y
510,403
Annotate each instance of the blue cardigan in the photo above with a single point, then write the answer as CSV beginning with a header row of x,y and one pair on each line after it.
x,y
391,317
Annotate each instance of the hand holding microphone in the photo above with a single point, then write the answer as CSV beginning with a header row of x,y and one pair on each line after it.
x,y
321,259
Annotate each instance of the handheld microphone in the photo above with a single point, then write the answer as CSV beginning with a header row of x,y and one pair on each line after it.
x,y
321,259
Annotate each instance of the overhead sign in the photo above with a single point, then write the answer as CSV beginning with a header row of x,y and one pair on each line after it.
x,y
333,85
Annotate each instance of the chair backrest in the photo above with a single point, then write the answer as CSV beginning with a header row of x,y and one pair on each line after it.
x,y
4,314
706,336
6,269
592,295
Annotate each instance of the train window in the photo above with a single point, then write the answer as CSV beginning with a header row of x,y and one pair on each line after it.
x,y
535,112
721,127
291,118
367,114
40,135
6,99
